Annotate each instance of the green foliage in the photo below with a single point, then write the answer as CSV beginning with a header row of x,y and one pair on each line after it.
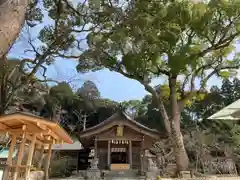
x,y
61,91
61,168
191,39
34,14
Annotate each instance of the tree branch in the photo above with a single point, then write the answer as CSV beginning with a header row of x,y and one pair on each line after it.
x,y
156,98
203,82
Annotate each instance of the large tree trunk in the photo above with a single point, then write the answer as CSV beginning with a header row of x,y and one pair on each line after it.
x,y
181,156
172,126
12,16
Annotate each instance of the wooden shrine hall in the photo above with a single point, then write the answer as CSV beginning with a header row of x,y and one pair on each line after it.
x,y
120,142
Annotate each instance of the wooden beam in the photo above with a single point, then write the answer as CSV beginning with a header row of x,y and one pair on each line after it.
x,y
123,138
48,162
27,127
30,155
20,156
11,149
41,157
142,156
10,154
109,154
130,154
28,137
48,131
3,126
33,127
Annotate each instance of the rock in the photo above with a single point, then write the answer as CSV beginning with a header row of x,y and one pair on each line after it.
x,y
185,174
36,175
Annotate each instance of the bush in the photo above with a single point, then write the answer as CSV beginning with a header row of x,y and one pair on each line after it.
x,y
61,168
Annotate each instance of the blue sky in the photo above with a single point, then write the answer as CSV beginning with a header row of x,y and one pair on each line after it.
x,y
112,85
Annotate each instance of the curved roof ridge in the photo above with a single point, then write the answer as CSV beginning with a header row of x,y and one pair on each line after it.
x,y
126,116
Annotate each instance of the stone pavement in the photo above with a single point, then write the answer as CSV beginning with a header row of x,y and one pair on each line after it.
x,y
202,178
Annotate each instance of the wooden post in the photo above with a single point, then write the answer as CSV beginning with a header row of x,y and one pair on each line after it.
x,y
30,155
20,156
41,157
78,159
130,153
95,148
109,154
10,156
48,161
142,156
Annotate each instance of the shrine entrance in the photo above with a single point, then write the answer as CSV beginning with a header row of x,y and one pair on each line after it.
x,y
120,155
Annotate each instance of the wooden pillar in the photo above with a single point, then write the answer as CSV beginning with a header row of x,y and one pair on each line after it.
x,y
20,156
30,155
142,156
130,154
95,148
109,154
10,156
47,165
41,157
78,159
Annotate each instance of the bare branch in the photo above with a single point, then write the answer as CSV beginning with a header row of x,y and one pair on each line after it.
x,y
222,43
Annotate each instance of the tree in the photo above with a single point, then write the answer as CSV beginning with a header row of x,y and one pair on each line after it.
x,y
165,39
42,54
16,84
135,108
89,90
12,18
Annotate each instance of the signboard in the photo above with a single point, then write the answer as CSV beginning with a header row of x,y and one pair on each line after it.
x,y
120,167
119,131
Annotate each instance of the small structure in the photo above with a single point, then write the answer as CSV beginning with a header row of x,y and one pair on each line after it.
x,y
119,143
220,162
70,150
230,112
36,133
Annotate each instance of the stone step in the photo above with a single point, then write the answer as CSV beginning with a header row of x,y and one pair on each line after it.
x,y
130,174
123,178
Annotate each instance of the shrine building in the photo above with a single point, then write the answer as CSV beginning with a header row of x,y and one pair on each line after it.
x,y
120,142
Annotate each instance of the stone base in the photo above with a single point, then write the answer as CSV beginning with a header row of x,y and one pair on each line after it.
x,y
185,174
36,175
152,174
142,177
93,174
